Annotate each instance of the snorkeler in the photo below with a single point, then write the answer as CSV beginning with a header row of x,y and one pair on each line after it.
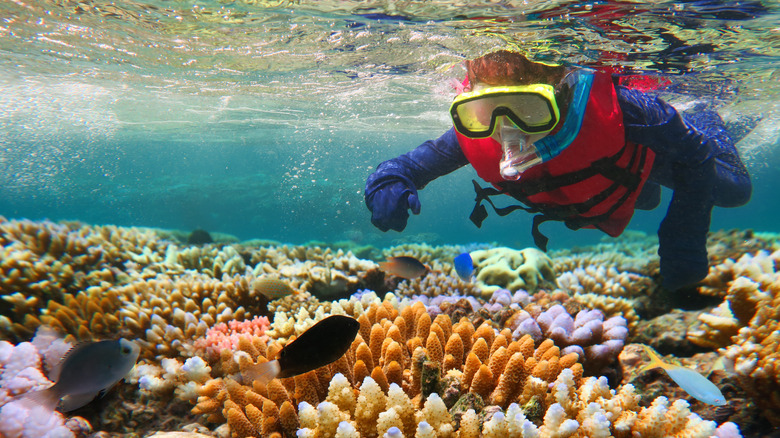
x,y
574,145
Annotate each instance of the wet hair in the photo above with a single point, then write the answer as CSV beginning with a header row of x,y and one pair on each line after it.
x,y
510,68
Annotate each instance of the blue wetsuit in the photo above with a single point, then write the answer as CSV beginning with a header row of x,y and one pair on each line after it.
x,y
695,156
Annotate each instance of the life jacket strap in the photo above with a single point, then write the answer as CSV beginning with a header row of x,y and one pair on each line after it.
x,y
479,213
571,215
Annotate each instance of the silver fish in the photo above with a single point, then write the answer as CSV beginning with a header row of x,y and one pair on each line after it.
x,y
84,372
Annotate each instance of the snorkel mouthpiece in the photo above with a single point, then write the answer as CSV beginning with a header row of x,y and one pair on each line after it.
x,y
518,154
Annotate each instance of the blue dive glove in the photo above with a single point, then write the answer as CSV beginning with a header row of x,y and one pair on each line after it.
x,y
389,204
391,191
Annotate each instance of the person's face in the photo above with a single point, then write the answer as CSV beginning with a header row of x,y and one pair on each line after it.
x,y
528,138
484,115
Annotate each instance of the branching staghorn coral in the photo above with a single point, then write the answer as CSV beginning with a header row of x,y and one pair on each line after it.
x,y
755,350
45,262
751,278
628,253
603,280
434,284
588,409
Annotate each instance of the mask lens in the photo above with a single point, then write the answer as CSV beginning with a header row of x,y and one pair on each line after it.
x,y
532,109
533,112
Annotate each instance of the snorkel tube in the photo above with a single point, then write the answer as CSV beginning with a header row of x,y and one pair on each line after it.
x,y
549,147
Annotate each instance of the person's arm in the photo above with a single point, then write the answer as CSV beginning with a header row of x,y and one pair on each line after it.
x,y
392,189
687,153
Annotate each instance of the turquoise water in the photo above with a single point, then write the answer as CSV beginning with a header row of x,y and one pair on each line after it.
x,y
263,119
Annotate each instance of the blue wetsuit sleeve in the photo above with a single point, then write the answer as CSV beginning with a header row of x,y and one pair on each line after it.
x,y
392,189
686,155
430,160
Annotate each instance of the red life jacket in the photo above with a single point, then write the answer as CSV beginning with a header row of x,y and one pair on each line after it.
x,y
593,183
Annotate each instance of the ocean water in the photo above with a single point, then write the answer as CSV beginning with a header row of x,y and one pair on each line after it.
x,y
263,119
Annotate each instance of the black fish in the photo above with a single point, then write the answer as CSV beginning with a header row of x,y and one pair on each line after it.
x,y
323,343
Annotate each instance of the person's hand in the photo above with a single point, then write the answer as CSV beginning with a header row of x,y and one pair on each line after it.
x,y
678,273
389,205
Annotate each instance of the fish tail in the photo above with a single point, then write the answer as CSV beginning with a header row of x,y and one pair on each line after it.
x,y
49,398
262,372
655,360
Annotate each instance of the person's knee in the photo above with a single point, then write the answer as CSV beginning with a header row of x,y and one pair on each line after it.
x,y
734,194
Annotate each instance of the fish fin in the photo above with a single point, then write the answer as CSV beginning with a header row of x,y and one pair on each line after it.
x,y
655,360
71,402
48,398
262,372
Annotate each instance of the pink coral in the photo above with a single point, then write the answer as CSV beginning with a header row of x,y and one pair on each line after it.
x,y
226,335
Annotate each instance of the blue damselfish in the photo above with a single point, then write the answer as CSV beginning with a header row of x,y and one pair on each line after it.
x,y
464,265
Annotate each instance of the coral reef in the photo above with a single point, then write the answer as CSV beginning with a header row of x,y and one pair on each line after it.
x,y
22,371
45,262
507,268
590,408
436,284
595,340
407,348
754,353
437,356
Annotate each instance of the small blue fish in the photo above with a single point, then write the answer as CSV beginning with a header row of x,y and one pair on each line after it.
x,y
464,265
689,380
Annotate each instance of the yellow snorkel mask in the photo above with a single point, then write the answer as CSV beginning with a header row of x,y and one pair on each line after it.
x,y
532,108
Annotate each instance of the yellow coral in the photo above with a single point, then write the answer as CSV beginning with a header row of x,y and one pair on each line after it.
x,y
511,269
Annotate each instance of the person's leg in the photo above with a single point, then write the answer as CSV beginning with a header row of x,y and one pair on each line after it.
x,y
733,187
650,196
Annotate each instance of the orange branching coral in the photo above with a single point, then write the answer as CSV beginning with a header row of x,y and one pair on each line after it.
x,y
90,314
171,312
416,354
